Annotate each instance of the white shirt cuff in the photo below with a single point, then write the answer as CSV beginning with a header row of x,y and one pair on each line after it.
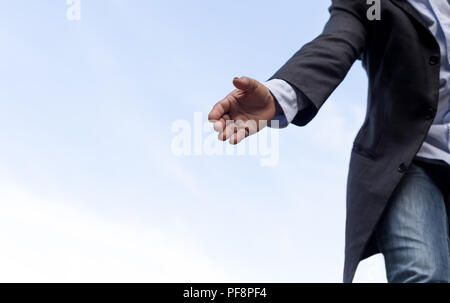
x,y
286,98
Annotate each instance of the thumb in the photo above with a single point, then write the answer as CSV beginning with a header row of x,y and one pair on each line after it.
x,y
245,83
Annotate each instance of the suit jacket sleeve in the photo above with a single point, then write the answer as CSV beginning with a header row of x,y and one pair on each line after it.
x,y
320,65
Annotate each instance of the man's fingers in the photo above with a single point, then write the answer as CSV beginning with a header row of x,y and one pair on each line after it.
x,y
251,126
222,107
245,83
244,129
229,130
236,131
240,134
221,123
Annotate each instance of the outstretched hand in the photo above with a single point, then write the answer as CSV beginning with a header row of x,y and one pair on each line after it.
x,y
244,111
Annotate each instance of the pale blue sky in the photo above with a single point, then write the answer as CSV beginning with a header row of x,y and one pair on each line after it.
x,y
89,188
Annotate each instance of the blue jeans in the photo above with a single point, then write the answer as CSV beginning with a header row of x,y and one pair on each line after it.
x,y
413,233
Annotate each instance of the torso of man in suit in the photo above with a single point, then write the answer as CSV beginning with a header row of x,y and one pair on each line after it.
x,y
436,147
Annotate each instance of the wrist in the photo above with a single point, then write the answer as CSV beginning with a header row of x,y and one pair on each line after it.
x,y
276,108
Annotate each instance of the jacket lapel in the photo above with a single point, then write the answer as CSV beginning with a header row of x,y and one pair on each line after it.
x,y
410,10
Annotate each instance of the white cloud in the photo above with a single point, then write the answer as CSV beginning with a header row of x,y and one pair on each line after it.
x,y
371,270
49,241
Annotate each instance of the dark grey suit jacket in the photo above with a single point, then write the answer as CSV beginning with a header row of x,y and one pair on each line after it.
x,y
402,60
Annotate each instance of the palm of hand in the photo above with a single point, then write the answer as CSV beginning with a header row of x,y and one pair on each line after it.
x,y
244,111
